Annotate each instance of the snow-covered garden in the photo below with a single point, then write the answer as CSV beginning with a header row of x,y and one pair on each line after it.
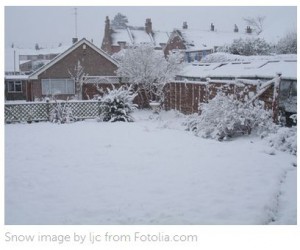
x,y
151,171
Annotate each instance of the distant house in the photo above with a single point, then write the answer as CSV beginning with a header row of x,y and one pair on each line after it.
x,y
29,60
196,44
58,76
116,39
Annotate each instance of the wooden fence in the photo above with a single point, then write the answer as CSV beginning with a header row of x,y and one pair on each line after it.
x,y
185,96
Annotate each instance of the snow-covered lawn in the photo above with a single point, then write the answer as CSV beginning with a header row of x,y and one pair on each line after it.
x,y
147,172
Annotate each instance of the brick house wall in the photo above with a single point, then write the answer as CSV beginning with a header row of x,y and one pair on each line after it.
x,y
93,63
174,43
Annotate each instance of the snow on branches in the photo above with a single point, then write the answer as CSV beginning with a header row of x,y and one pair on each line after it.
x,y
225,116
148,69
61,113
117,105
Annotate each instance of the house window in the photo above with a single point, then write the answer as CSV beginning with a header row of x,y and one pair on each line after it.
x,y
58,87
14,86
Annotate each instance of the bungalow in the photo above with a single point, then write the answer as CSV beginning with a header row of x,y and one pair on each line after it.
x,y
117,38
61,75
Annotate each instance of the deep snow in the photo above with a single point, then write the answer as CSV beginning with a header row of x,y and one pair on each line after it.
x,y
147,172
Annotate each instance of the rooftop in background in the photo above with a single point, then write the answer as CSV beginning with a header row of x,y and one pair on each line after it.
x,y
14,57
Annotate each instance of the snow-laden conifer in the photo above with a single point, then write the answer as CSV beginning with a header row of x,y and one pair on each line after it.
x,y
117,105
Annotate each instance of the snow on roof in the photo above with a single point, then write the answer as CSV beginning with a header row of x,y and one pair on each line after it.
x,y
120,35
161,37
205,39
259,69
45,51
16,77
138,36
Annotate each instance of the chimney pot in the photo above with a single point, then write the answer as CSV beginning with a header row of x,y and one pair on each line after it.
x,y
148,26
74,40
184,26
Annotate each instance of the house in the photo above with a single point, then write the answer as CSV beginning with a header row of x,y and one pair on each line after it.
x,y
58,77
116,38
29,60
196,44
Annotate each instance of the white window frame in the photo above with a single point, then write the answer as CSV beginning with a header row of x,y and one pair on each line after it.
x,y
48,86
15,83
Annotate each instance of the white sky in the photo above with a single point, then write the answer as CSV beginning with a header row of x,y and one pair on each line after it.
x,y
49,26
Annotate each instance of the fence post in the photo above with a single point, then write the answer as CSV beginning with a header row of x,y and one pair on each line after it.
x,y
275,102
48,108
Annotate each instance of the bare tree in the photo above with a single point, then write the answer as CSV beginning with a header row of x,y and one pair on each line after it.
x,y
78,75
256,23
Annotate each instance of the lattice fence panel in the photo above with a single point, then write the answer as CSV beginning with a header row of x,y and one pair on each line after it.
x,y
23,112
26,112
83,110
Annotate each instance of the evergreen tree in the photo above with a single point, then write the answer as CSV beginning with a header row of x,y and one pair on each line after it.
x,y
120,21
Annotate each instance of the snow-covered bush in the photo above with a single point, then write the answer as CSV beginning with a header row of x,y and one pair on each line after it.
x,y
247,47
61,113
225,116
117,105
287,44
285,139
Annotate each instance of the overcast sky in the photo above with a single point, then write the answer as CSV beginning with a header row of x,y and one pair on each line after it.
x,y
49,26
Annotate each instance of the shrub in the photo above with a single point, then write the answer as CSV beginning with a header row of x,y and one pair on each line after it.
x,y
225,116
285,139
247,47
117,105
61,113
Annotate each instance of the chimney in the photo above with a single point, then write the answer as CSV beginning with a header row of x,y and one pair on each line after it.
x,y
148,26
107,25
236,29
74,40
248,30
185,26
212,27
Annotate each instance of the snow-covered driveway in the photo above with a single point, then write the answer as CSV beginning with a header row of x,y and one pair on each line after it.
x,y
146,172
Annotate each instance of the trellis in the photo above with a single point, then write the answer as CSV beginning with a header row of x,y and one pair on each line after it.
x,y
40,111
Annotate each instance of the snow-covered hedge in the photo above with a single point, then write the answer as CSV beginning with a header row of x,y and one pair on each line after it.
x,y
225,116
247,47
117,105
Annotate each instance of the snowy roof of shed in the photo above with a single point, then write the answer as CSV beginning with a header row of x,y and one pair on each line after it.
x,y
134,36
250,69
